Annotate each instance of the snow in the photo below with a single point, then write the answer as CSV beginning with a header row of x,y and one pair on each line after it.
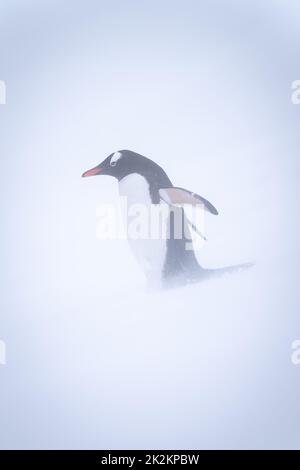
x,y
94,359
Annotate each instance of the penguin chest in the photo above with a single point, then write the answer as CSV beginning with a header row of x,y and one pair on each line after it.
x,y
143,229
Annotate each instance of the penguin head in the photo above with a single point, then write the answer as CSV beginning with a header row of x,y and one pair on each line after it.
x,y
120,164
125,162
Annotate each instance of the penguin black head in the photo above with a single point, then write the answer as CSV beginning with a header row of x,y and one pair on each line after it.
x,y
125,162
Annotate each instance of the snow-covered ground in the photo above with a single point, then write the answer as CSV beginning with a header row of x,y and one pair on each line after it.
x,y
205,366
94,359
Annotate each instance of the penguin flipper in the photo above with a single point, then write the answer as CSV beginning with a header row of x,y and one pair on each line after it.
x,y
175,195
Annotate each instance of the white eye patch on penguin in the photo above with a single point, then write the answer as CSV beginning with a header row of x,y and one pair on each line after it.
x,y
115,158
142,181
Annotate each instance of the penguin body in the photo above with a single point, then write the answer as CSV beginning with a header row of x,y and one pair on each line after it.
x,y
150,253
165,260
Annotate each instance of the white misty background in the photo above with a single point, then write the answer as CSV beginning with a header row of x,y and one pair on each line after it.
x,y
94,360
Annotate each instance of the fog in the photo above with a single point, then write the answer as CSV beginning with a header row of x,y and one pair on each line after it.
x,y
93,358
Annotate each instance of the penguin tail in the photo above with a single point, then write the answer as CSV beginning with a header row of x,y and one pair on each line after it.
x,y
209,273
202,274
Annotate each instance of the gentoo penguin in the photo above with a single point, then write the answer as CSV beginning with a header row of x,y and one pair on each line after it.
x,y
166,261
